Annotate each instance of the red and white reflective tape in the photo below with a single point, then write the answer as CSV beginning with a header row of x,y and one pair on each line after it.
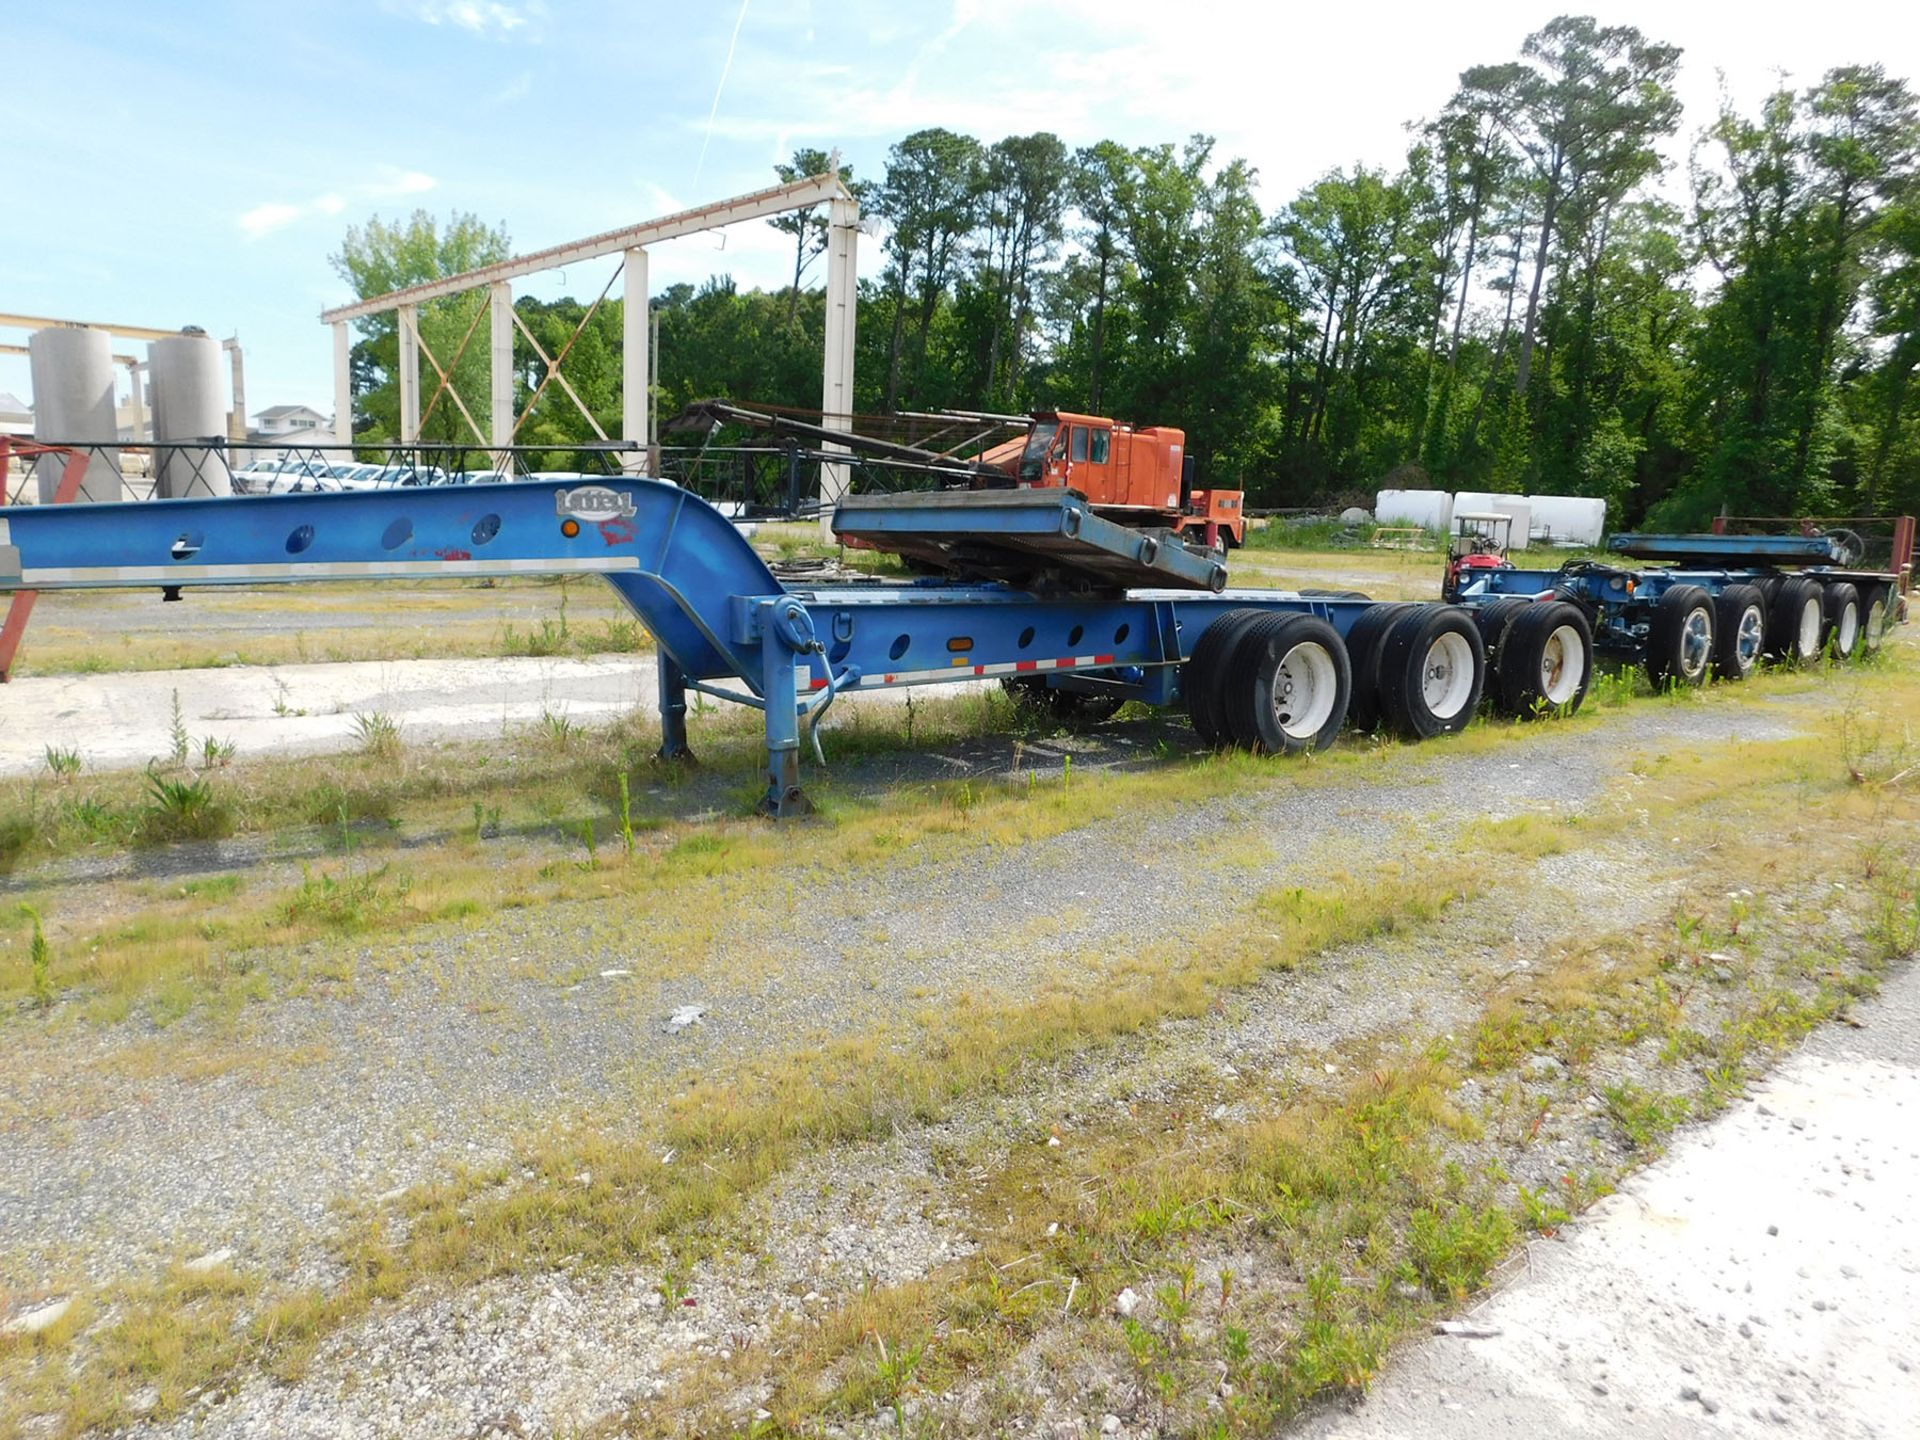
x,y
961,670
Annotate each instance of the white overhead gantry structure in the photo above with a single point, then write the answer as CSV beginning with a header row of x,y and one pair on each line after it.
x,y
836,393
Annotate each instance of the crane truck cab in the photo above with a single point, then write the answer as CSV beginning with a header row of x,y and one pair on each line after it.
x,y
1133,475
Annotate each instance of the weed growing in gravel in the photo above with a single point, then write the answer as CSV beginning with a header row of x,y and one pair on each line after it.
x,y
18,830
378,734
182,742
351,902
40,960
1644,1119
63,762
1528,835
183,810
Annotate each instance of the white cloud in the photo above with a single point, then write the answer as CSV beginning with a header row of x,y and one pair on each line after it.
x,y
489,19
265,219
390,183
394,182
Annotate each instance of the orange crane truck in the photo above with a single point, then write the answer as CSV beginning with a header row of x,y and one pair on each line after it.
x,y
1135,475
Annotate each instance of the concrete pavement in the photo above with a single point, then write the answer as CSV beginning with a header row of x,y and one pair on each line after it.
x,y
1763,1279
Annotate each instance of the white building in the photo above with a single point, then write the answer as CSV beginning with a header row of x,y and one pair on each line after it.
x,y
297,422
16,416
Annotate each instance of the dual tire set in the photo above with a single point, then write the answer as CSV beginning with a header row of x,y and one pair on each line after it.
x,y
1791,620
1280,683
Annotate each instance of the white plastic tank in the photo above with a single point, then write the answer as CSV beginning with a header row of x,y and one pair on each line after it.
x,y
189,403
1431,508
72,371
1514,507
1568,519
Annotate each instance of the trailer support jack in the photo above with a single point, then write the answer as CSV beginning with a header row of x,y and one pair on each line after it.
x,y
673,712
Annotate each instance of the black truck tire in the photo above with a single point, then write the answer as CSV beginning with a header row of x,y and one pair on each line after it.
x,y
1287,685
1739,631
1796,621
1433,668
1546,660
1877,618
1680,637
1363,655
1495,617
1844,614
1200,677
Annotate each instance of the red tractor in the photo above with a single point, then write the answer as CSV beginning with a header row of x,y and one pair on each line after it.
x,y
1480,540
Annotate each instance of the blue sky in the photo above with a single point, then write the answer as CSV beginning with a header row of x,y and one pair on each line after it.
x,y
196,162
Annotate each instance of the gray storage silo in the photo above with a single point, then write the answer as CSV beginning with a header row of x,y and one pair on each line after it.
x,y
187,388
72,370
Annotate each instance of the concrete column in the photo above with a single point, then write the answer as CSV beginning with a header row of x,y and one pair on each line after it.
x,y
135,376
237,417
636,380
836,390
502,367
342,384
409,375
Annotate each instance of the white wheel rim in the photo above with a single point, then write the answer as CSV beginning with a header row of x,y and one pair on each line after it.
x,y
1446,678
1849,627
1563,665
1304,688
1810,628
1696,642
1876,623
1750,638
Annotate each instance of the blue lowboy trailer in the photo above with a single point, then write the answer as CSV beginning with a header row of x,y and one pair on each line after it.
x,y
1082,615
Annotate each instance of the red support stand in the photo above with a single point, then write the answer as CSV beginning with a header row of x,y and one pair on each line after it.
x,y
21,610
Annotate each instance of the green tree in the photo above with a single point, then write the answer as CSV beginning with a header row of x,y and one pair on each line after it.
x,y
1101,186
1022,197
1588,110
929,196
808,227
382,256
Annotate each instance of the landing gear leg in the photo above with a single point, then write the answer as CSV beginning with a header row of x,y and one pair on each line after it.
x,y
673,712
779,688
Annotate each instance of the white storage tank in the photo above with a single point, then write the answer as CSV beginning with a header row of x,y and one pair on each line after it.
x,y
188,391
1568,519
1431,508
72,371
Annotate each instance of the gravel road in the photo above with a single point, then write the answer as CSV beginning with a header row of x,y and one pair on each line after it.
x,y
447,1043
450,1039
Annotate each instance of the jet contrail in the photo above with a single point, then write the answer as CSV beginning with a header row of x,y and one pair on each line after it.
x,y
725,70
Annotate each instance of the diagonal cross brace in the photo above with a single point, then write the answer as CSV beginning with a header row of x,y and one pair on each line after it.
x,y
553,364
446,386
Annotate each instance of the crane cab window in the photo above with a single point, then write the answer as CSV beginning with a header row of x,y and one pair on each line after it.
x,y
1101,440
1040,449
1079,451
